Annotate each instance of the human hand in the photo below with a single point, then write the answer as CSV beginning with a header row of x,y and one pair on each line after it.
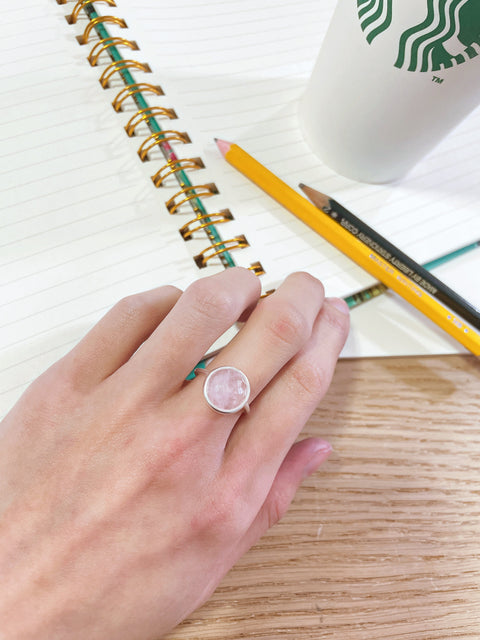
x,y
124,498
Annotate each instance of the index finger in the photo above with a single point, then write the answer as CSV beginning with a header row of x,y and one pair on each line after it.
x,y
207,308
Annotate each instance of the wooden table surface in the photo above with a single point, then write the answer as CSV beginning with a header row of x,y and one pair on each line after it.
x,y
383,543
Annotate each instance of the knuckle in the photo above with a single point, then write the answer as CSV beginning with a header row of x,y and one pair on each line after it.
x,y
49,398
224,517
277,507
247,275
289,325
214,303
337,321
143,304
130,307
305,278
310,380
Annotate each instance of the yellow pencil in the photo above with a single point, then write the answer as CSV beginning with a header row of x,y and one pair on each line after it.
x,y
350,246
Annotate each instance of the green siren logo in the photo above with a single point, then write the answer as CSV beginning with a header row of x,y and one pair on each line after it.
x,y
447,32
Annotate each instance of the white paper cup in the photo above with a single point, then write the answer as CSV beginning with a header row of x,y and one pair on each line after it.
x,y
393,77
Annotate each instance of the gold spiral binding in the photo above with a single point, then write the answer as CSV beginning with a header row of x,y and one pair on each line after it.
x,y
176,165
146,114
190,193
106,43
72,18
204,221
201,259
131,90
83,39
258,270
155,139
119,66
267,293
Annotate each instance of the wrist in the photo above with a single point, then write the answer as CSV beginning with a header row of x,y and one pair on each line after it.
x,y
24,596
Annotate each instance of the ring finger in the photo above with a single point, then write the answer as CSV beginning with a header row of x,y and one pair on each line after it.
x,y
277,329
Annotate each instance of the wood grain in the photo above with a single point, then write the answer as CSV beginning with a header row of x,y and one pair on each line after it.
x,y
384,542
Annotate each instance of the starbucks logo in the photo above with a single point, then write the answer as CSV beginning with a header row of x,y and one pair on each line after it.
x,y
447,32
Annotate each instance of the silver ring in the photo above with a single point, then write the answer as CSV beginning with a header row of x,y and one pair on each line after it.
x,y
226,389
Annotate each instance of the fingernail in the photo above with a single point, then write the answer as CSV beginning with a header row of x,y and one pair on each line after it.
x,y
319,455
339,304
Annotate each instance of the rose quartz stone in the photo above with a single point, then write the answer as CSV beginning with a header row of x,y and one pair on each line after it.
x,y
227,389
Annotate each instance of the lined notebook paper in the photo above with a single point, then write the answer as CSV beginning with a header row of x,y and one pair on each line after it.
x,y
83,225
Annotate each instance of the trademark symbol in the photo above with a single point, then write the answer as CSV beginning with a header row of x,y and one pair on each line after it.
x,y
437,79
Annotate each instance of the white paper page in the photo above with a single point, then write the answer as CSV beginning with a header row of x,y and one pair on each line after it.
x,y
82,226
81,223
236,71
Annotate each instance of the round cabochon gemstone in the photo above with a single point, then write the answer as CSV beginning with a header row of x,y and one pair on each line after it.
x,y
227,389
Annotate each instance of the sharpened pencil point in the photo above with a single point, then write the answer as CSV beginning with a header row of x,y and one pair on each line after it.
x,y
223,145
319,199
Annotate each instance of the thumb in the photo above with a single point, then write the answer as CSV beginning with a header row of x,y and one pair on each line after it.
x,y
303,459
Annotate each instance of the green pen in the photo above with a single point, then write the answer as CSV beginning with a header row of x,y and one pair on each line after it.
x,y
377,289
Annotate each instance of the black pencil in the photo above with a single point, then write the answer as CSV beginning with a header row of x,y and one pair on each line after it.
x,y
394,256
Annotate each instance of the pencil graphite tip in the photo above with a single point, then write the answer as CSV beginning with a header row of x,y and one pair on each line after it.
x,y
223,146
319,199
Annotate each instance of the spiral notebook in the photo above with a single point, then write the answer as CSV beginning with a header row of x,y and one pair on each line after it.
x,y
111,182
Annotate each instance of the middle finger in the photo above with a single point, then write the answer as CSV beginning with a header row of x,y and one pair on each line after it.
x,y
277,329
